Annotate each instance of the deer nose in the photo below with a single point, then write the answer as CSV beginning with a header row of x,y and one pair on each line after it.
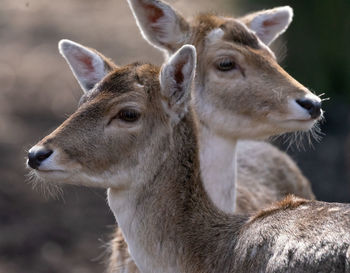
x,y
37,156
312,106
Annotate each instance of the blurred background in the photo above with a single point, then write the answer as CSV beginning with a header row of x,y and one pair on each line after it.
x,y
37,92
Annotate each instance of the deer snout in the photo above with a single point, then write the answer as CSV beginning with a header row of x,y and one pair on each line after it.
x,y
37,155
312,106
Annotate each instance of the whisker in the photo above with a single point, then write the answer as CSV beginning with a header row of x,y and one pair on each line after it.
x,y
48,190
300,139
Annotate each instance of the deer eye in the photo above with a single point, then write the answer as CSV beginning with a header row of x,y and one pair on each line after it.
x,y
128,115
226,65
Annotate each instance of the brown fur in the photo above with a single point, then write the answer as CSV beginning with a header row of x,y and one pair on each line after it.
x,y
120,254
279,175
259,65
255,193
96,109
251,196
290,202
182,231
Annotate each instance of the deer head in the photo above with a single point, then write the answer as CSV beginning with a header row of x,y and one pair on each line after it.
x,y
241,91
123,122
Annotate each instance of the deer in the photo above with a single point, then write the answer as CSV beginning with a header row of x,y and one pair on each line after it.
x,y
136,134
229,79
240,174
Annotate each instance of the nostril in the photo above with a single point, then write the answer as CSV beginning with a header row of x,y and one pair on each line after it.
x,y
312,106
305,103
36,157
43,154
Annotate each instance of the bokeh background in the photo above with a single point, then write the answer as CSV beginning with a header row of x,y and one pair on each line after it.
x,y
37,92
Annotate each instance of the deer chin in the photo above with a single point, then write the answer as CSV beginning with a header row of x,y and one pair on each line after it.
x,y
54,176
77,178
57,177
299,124
291,124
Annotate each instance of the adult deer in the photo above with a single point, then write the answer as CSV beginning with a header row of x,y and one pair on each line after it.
x,y
238,82
135,133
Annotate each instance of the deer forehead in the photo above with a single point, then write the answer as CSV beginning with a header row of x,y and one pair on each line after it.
x,y
134,83
232,29
240,34
213,31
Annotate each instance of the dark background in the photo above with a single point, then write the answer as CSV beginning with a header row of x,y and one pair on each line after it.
x,y
37,92
316,47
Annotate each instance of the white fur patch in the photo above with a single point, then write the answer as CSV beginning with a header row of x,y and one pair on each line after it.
x,y
214,36
296,111
334,209
218,169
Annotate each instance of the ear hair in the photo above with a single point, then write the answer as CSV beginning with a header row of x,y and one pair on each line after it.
x,y
269,24
176,79
160,24
88,66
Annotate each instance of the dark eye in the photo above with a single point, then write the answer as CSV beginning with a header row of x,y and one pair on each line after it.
x,y
226,65
128,115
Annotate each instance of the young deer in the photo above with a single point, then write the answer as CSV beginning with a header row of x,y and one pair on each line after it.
x,y
238,77
135,133
238,82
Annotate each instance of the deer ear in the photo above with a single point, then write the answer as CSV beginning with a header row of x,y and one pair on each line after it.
x,y
88,66
269,24
176,79
160,24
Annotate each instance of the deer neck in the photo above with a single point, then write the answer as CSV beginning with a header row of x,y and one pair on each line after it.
x,y
218,168
169,215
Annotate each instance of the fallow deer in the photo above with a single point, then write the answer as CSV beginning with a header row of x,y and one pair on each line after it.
x,y
135,133
233,80
238,77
